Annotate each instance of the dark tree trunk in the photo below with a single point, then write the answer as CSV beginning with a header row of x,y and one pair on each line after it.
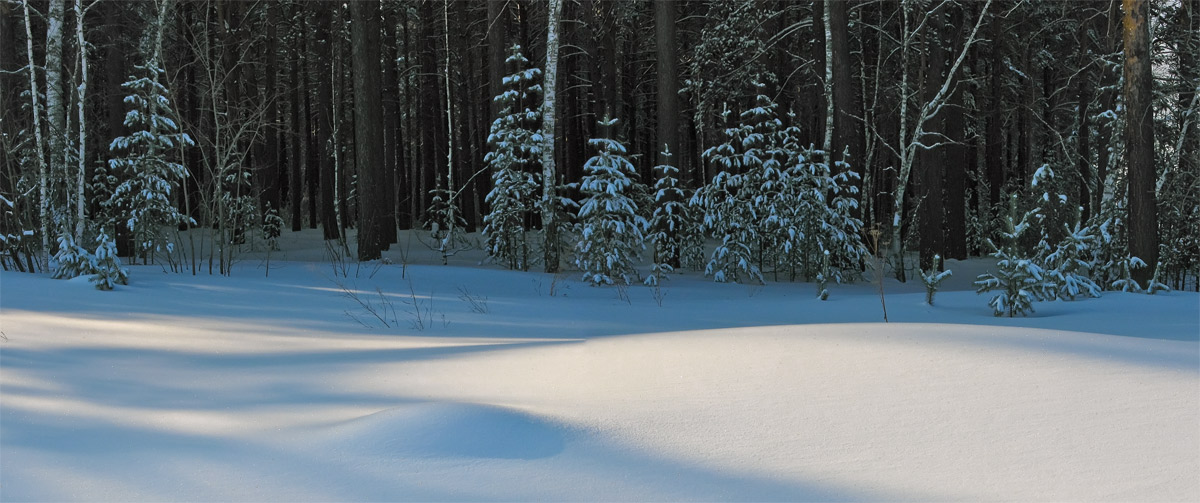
x,y
433,155
1139,139
267,153
930,161
325,118
994,136
956,162
1083,161
497,36
299,134
667,97
374,183
391,122
668,81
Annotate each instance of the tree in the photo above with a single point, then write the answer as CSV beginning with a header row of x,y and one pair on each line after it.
x,y
34,92
550,204
611,232
1139,139
374,185
144,161
514,152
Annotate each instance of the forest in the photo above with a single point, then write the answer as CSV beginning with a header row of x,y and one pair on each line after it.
x,y
754,140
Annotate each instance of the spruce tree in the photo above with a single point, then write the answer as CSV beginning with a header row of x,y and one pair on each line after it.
x,y
728,216
611,232
144,162
515,150
671,223
1018,277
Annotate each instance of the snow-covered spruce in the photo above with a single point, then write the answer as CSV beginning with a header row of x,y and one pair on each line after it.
x,y
610,229
777,203
933,279
143,162
107,271
515,151
673,232
71,260
1018,277
728,201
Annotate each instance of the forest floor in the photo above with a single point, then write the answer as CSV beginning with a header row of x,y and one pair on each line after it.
x,y
321,380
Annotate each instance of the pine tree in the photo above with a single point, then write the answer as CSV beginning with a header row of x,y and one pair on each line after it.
x,y
516,148
610,229
144,164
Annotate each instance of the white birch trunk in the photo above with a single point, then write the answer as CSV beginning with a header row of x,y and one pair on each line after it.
x,y
549,173
82,97
448,238
829,109
40,145
56,106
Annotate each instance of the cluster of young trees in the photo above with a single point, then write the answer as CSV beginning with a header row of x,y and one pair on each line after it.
x,y
920,120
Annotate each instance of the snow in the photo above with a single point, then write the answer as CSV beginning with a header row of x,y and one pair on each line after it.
x,y
248,388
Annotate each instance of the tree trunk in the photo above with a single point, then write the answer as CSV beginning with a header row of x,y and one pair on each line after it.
x,y
1139,139
994,147
374,210
847,136
299,124
81,171
668,97
267,155
497,51
43,218
930,211
955,162
325,138
550,203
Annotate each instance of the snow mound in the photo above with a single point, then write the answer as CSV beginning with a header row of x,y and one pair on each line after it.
x,y
450,430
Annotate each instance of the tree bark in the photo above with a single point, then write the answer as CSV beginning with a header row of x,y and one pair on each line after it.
x,y
497,35
930,212
325,138
550,203
1139,139
667,99
81,171
374,192
267,155
43,202
955,161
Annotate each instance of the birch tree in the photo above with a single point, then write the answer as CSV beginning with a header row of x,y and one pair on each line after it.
x,y
916,137
40,145
81,98
56,108
550,202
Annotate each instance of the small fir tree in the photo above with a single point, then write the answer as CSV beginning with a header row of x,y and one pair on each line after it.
x,y
143,163
611,232
107,267
1018,278
670,223
515,149
729,212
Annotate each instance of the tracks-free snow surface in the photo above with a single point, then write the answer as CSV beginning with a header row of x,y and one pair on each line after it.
x,y
266,389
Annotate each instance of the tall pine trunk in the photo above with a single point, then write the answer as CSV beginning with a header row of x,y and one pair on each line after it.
x,y
1139,139
374,208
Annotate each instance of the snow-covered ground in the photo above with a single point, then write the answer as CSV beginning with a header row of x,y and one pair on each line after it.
x,y
526,386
